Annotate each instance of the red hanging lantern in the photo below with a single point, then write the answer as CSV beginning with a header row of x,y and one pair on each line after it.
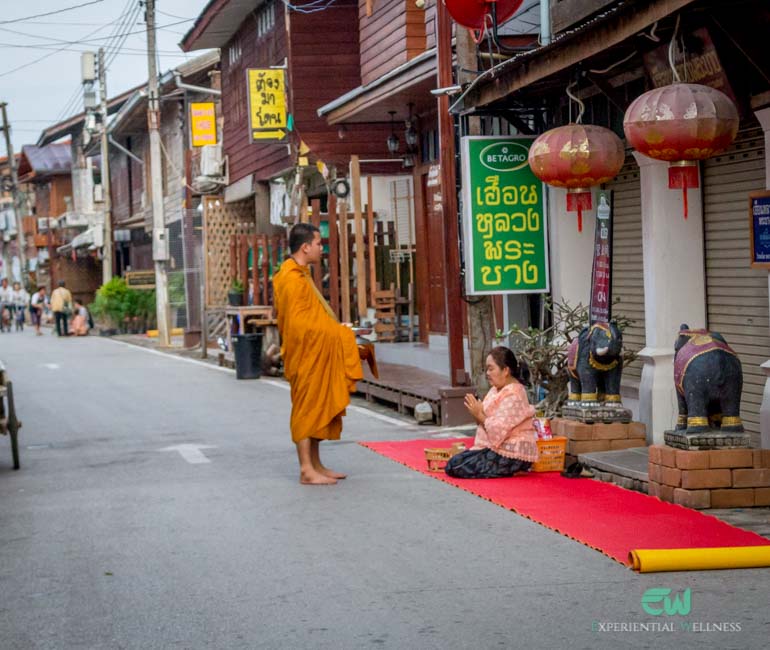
x,y
577,157
473,13
682,124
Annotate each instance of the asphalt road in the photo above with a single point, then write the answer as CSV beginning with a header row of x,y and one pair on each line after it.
x,y
108,541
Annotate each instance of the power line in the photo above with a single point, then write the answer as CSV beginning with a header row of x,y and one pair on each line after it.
x,y
64,48
83,41
111,55
50,13
72,102
163,13
50,54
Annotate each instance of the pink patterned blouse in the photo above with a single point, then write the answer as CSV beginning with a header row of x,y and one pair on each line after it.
x,y
508,428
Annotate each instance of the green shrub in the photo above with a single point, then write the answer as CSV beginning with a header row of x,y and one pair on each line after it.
x,y
115,301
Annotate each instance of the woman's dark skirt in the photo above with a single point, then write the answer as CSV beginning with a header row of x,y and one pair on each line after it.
x,y
484,463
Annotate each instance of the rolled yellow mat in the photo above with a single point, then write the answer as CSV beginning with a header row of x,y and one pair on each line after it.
x,y
699,559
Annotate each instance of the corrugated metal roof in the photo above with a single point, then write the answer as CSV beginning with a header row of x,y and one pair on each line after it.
x,y
49,160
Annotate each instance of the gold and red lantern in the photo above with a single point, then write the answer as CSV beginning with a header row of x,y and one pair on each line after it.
x,y
577,157
682,124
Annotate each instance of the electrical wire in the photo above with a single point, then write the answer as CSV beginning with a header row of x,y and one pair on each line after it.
x,y
50,54
671,48
312,7
111,54
614,65
50,13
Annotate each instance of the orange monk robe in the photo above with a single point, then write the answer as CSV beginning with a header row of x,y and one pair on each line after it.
x,y
320,356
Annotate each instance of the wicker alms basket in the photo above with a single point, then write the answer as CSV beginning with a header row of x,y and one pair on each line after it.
x,y
438,458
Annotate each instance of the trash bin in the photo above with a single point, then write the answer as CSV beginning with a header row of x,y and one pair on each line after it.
x,y
248,355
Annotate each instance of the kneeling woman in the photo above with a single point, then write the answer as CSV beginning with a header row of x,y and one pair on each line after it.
x,y
505,438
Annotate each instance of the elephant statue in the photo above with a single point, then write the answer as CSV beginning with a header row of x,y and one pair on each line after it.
x,y
709,381
595,365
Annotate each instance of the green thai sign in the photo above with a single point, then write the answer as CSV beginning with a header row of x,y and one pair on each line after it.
x,y
504,228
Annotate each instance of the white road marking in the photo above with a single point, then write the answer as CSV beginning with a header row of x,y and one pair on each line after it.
x,y
191,452
51,366
379,416
271,382
168,355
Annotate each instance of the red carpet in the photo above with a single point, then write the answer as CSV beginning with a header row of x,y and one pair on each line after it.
x,y
600,515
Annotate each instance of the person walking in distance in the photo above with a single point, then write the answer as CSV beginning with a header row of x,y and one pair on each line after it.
x,y
20,300
61,306
37,309
6,306
322,360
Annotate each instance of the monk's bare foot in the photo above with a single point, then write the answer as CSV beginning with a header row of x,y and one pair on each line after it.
x,y
332,474
315,478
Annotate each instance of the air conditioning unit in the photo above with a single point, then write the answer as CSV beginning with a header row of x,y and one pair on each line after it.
x,y
98,193
42,224
211,160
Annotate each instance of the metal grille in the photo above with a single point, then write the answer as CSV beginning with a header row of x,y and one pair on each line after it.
x,y
627,266
184,270
736,294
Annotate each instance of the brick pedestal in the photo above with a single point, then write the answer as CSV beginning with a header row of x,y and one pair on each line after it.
x,y
585,438
724,478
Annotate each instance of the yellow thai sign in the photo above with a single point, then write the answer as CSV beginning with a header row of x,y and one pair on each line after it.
x,y
203,123
267,104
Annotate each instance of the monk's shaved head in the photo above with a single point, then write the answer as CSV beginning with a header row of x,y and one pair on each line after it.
x,y
302,233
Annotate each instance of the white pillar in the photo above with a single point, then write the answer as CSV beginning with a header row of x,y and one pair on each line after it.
x,y
674,289
763,116
571,252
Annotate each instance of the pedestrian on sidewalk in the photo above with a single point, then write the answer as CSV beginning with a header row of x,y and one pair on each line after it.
x,y
505,437
61,306
6,306
80,321
20,300
322,360
37,308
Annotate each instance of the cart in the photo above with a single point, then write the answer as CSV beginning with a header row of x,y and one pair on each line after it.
x,y
9,424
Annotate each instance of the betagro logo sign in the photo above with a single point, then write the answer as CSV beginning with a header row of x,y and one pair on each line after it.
x,y
504,156
504,227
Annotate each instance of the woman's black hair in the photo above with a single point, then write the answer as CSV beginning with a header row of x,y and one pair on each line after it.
x,y
504,358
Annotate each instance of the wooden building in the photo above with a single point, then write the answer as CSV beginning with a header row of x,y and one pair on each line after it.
x,y
666,270
321,62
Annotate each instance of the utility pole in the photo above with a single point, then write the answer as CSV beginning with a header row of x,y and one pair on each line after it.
x,y
481,320
446,128
159,236
107,254
21,239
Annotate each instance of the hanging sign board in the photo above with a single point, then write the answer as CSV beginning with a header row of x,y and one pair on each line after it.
x,y
700,67
267,104
203,124
759,229
601,284
504,227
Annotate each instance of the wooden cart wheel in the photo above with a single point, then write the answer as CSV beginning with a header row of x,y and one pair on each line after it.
x,y
13,426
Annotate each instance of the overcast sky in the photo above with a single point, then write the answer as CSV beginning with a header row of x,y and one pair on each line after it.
x,y
40,93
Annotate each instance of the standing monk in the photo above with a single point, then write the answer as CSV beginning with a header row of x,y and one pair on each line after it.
x,y
322,360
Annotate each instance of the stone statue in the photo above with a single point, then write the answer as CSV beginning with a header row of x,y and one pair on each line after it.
x,y
709,381
595,366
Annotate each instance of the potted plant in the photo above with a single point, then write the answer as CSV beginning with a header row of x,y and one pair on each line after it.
x,y
545,352
235,294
